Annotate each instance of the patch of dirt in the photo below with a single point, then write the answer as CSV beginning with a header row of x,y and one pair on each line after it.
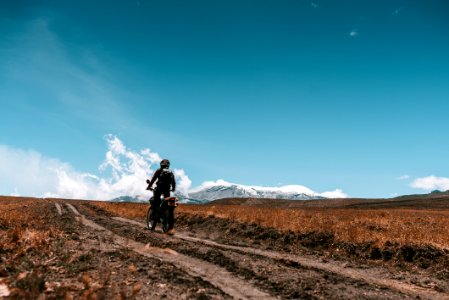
x,y
79,263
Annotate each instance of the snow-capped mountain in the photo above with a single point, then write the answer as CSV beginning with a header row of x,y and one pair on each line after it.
x,y
145,199
137,198
209,191
213,190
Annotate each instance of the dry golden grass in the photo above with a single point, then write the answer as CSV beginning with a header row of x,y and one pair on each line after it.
x,y
403,226
351,225
23,226
42,256
126,210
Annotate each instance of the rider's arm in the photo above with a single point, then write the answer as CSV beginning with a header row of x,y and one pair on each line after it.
x,y
155,176
173,183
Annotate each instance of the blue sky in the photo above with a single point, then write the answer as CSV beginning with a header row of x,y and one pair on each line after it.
x,y
347,95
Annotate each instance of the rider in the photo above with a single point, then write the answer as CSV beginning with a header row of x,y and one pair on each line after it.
x,y
165,183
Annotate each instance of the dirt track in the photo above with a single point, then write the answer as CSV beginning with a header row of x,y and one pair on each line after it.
x,y
217,276
107,257
250,273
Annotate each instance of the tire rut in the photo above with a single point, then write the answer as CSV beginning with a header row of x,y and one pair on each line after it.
x,y
217,276
58,208
368,276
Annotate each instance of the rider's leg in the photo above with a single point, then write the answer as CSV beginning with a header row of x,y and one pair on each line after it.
x,y
166,194
170,216
156,204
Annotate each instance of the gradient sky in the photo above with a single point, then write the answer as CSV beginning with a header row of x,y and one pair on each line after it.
x,y
327,94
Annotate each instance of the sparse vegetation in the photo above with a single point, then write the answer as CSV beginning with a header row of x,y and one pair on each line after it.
x,y
401,238
44,255
46,251
26,243
403,226
38,256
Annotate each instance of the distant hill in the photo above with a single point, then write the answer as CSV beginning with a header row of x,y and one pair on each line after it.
x,y
234,195
423,201
433,194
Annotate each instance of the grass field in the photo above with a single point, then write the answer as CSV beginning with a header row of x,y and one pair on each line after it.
x,y
45,250
392,225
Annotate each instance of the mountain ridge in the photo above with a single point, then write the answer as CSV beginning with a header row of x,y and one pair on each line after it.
x,y
227,190
211,191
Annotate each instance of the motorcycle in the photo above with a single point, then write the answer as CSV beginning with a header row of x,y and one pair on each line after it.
x,y
165,213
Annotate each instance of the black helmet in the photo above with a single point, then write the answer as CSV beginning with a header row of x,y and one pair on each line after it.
x,y
165,163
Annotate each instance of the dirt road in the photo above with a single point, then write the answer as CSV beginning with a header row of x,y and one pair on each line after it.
x,y
250,273
54,249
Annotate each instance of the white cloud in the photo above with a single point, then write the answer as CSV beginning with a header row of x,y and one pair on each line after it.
x,y
29,173
354,33
403,177
15,193
335,194
314,4
183,182
122,173
431,183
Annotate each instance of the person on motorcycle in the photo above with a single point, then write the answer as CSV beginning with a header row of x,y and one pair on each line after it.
x,y
164,184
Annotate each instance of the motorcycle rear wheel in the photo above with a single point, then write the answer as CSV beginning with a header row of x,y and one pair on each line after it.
x,y
169,219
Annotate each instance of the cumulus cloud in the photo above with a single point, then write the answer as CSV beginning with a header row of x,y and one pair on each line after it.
x,y
431,183
183,181
123,172
338,193
27,172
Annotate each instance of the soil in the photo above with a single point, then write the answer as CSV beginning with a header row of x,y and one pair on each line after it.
x,y
412,258
95,255
83,263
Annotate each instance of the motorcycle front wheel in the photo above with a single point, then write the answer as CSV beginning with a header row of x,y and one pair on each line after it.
x,y
151,223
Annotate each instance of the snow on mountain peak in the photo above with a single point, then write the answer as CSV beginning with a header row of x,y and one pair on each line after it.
x,y
211,190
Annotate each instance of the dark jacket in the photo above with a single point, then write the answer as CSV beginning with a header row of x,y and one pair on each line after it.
x,y
165,179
